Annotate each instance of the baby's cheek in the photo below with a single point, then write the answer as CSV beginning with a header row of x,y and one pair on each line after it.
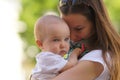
x,y
55,50
68,47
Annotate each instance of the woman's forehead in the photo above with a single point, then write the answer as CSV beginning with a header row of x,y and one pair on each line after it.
x,y
75,19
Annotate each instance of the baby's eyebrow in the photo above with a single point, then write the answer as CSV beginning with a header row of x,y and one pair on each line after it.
x,y
68,35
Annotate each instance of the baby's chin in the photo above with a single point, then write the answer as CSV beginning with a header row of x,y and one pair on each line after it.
x,y
63,54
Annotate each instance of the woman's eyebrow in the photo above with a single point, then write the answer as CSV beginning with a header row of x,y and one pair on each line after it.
x,y
79,26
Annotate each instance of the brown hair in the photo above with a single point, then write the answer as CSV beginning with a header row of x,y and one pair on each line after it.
x,y
105,37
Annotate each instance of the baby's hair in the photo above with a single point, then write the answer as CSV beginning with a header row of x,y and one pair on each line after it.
x,y
44,22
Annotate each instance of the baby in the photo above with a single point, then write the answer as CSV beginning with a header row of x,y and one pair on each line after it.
x,y
52,36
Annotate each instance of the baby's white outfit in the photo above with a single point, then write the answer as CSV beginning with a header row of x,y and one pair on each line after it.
x,y
96,56
48,66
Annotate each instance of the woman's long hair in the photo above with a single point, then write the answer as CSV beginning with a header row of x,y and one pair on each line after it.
x,y
105,37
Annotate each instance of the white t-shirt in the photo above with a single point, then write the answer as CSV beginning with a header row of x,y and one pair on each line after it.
x,y
96,56
48,66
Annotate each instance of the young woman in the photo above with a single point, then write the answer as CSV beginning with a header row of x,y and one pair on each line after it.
x,y
89,22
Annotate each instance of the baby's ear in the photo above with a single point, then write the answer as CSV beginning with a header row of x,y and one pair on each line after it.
x,y
39,43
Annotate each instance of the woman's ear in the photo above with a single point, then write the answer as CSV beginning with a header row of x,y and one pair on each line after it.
x,y
39,43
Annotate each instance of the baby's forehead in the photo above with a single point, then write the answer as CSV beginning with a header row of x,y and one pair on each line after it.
x,y
50,19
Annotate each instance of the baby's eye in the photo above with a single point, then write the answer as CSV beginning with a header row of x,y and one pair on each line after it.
x,y
67,39
56,40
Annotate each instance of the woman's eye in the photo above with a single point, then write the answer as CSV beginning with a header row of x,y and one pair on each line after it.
x,y
78,29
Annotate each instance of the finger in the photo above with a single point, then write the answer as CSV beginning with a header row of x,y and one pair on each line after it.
x,y
82,47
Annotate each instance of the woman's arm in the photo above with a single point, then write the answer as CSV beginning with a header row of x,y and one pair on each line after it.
x,y
84,70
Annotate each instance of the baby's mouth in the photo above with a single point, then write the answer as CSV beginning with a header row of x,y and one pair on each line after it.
x,y
63,52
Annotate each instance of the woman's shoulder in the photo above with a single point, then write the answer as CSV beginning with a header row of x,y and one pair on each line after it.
x,y
94,55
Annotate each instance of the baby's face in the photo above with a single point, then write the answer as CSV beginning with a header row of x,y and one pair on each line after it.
x,y
56,39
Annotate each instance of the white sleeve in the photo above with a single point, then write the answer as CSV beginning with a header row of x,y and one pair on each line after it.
x,y
49,62
95,55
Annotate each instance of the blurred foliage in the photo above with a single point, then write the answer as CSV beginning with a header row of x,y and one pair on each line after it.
x,y
33,9
113,8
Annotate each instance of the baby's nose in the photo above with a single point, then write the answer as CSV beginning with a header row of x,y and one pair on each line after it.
x,y
63,44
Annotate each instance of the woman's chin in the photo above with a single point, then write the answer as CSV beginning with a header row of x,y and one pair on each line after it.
x,y
76,40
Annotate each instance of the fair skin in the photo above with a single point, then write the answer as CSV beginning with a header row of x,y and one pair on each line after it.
x,y
80,28
56,39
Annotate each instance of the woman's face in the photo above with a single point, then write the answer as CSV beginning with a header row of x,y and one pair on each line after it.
x,y
80,26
